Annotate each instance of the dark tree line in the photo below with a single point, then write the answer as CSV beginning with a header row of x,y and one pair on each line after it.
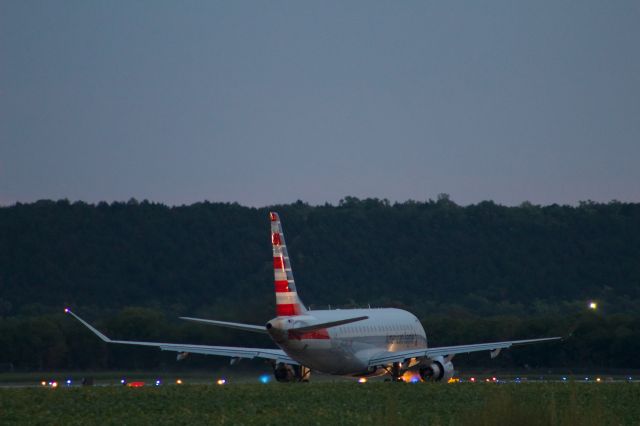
x,y
482,271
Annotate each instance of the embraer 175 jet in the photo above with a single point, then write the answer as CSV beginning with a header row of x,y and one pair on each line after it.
x,y
349,342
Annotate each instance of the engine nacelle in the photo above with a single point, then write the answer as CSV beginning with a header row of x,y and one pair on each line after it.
x,y
438,370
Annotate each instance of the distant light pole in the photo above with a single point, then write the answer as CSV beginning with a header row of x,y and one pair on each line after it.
x,y
593,306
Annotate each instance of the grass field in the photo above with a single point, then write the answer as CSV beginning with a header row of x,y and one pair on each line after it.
x,y
328,404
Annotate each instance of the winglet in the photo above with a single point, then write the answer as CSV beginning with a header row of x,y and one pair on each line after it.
x,y
89,326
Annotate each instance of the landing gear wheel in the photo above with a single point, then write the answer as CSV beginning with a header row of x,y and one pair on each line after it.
x,y
291,373
395,372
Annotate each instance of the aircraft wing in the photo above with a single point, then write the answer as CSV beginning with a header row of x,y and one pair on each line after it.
x,y
384,358
277,355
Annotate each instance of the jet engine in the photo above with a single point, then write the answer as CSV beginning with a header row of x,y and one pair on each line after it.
x,y
439,369
291,373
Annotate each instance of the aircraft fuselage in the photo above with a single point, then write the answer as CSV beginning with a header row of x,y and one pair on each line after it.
x,y
346,349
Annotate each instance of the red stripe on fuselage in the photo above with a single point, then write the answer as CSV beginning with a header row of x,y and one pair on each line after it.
x,y
282,286
321,334
287,309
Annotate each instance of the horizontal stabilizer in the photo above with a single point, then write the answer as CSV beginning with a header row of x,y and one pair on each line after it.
x,y
314,327
236,325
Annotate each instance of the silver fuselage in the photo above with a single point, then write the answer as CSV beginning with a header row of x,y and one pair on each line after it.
x,y
346,349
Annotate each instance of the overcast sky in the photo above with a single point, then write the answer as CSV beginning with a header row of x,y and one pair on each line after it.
x,y
268,102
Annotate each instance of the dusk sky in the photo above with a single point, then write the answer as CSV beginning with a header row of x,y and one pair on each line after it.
x,y
266,102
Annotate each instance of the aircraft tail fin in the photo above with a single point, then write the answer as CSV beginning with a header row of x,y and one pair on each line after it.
x,y
287,301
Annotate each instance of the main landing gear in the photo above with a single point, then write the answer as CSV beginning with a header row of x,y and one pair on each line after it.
x,y
395,373
291,373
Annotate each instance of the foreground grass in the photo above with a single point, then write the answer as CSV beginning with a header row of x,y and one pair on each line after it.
x,y
328,403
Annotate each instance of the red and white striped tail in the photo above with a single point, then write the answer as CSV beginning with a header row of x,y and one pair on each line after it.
x,y
287,300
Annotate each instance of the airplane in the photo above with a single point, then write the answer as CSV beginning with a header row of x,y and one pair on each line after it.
x,y
347,342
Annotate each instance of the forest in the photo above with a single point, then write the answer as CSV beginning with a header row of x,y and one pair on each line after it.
x,y
471,273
